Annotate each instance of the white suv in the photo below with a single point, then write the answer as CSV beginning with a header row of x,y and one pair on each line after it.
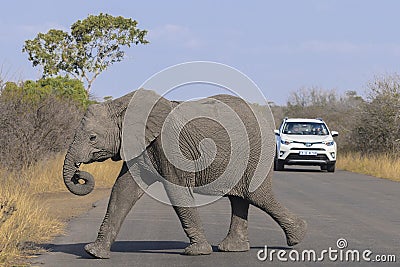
x,y
305,142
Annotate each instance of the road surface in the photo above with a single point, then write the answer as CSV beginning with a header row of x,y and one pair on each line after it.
x,y
361,209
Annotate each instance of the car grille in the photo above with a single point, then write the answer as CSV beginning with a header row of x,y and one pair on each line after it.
x,y
298,157
308,148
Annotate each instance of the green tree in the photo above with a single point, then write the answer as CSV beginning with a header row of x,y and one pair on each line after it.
x,y
62,88
93,45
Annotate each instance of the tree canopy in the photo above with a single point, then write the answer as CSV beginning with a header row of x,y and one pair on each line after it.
x,y
93,45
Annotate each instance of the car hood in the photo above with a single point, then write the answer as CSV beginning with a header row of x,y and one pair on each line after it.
x,y
306,138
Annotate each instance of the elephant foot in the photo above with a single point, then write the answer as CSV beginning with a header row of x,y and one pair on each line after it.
x,y
201,248
234,245
97,251
296,234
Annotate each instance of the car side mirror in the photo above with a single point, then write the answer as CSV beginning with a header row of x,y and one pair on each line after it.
x,y
334,133
276,132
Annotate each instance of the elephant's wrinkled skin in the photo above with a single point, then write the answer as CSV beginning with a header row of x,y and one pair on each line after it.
x,y
99,137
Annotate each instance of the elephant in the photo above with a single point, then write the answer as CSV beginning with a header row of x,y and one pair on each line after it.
x,y
100,137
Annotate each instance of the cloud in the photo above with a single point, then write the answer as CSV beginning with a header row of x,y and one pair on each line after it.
x,y
193,44
322,6
351,48
177,34
169,32
329,47
29,29
21,31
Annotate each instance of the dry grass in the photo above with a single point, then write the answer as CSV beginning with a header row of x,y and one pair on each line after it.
x,y
46,176
25,219
382,166
29,224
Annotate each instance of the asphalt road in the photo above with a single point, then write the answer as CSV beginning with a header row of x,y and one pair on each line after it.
x,y
361,209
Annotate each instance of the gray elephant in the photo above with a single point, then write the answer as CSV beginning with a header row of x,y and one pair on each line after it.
x,y
99,137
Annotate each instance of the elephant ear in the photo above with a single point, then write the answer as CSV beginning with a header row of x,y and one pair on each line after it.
x,y
143,121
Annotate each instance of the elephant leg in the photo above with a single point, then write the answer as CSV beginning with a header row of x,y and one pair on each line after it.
x,y
237,238
182,200
124,195
191,224
293,226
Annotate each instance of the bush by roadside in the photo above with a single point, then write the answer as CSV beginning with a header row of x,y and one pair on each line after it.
x,y
29,214
369,125
38,119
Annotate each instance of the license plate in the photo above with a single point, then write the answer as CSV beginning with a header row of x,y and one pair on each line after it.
x,y
308,153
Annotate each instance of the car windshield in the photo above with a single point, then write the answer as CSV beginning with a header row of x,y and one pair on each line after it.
x,y
305,128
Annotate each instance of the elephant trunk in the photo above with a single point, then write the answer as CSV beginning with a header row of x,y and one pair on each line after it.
x,y
78,182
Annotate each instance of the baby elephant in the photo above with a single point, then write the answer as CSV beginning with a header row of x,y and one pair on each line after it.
x,y
220,148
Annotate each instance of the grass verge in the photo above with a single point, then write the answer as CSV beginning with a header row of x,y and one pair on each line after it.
x,y
28,208
383,166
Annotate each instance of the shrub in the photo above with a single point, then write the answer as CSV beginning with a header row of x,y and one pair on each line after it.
x,y
38,119
63,88
378,128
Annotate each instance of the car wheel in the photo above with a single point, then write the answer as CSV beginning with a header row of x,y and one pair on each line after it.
x,y
278,165
331,167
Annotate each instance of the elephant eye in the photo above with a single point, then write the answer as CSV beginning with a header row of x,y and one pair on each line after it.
x,y
92,137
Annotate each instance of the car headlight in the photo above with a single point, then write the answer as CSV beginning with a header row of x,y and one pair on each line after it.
x,y
329,143
285,142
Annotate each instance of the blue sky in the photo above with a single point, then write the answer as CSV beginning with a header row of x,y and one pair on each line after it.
x,y
281,45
